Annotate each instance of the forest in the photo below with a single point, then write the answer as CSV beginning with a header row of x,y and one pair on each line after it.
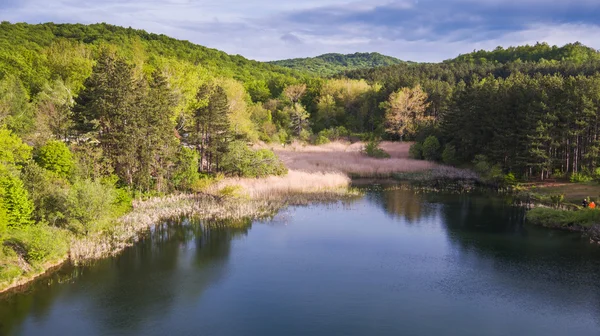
x,y
93,116
332,64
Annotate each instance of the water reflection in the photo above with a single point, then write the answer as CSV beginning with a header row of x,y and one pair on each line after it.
x,y
420,254
140,285
502,255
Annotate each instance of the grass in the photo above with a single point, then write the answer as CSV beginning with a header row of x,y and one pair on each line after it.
x,y
564,219
573,192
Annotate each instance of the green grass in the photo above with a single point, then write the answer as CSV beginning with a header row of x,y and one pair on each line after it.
x,y
563,218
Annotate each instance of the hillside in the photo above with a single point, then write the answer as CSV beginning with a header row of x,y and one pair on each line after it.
x,y
39,53
331,64
575,52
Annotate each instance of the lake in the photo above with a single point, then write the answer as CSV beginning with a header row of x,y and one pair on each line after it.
x,y
389,263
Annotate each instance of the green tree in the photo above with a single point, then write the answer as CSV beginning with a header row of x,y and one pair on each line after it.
x,y
15,199
55,156
431,148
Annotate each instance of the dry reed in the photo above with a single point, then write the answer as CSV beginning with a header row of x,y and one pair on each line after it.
x,y
261,198
342,157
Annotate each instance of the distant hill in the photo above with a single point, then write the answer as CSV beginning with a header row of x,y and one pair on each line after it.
x,y
575,52
331,64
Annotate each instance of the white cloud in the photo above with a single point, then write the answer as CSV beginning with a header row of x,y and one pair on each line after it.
x,y
419,30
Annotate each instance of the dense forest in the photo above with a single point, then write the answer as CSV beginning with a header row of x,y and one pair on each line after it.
x,y
332,64
92,116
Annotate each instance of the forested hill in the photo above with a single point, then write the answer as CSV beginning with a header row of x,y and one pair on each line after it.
x,y
575,52
37,53
330,64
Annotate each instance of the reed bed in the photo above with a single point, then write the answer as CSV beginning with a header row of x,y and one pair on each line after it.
x,y
259,198
346,158
294,183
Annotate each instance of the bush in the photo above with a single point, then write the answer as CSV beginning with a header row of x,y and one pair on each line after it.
x,y
241,160
15,199
3,222
449,155
90,204
231,191
431,148
416,151
49,193
55,156
580,178
40,242
320,140
186,174
372,149
562,218
304,135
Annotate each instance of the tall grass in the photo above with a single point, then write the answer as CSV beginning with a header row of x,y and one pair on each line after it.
x,y
258,198
347,158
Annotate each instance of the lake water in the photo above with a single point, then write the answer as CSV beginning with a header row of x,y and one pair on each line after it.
x,y
390,263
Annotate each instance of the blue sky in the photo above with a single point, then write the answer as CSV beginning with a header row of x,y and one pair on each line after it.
x,y
417,30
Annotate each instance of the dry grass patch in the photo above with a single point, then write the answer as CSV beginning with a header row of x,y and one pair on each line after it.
x,y
343,157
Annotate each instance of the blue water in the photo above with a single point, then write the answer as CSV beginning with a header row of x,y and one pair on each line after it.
x,y
390,263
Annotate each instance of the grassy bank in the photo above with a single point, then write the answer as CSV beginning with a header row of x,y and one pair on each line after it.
x,y
228,199
586,221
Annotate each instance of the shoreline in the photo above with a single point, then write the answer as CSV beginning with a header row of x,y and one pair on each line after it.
x,y
256,198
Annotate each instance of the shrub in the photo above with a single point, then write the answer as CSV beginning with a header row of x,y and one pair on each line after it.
x,y
49,194
41,242
480,165
55,156
241,160
90,203
557,199
510,179
3,222
431,148
372,149
320,140
231,191
186,174
416,151
561,218
304,135
449,155
580,178
15,199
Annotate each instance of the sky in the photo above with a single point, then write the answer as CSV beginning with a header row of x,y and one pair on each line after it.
x,y
416,30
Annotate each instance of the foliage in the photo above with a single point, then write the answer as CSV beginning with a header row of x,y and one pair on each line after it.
x,y
242,161
372,149
557,199
13,152
416,151
185,174
405,111
15,200
580,177
56,157
331,64
91,203
41,242
449,155
563,218
320,139
431,148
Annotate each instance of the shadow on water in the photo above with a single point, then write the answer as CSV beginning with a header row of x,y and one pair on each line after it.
x,y
165,264
501,252
460,250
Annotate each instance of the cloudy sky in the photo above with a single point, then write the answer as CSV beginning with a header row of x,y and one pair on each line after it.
x,y
417,30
